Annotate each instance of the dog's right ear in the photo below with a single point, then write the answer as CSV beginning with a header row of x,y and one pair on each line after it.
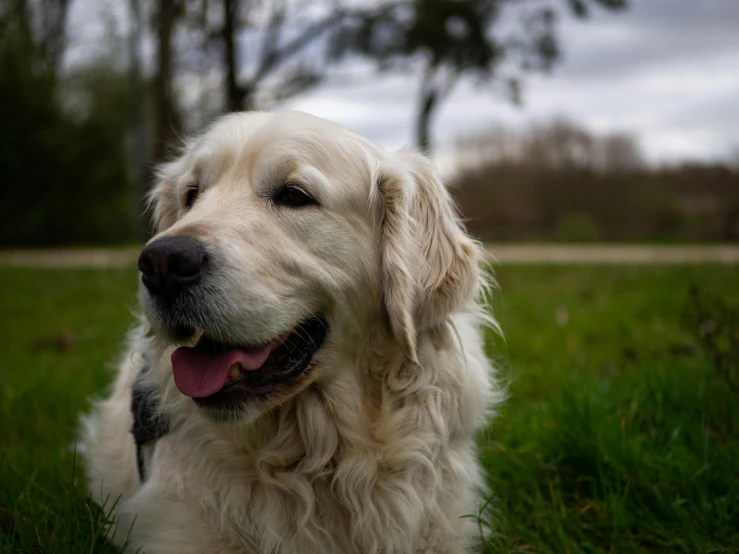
x,y
161,200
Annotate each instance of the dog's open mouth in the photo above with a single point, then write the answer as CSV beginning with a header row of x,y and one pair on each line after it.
x,y
214,374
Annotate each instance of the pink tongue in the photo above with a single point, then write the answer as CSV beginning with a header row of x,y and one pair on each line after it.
x,y
199,373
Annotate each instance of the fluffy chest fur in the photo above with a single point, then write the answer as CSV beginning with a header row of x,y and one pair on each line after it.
x,y
348,467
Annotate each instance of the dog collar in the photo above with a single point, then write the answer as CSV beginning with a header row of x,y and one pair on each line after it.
x,y
148,426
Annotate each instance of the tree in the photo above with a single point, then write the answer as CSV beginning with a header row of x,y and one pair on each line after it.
x,y
449,40
168,123
282,56
44,23
289,56
552,146
62,139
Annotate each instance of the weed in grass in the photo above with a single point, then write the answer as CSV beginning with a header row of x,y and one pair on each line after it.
x,y
715,323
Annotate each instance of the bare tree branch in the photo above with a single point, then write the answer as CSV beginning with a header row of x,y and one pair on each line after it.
x,y
299,80
274,30
277,56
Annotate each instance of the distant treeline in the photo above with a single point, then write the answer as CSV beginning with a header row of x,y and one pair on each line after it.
x,y
559,182
64,169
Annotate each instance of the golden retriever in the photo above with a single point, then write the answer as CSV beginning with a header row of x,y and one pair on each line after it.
x,y
308,375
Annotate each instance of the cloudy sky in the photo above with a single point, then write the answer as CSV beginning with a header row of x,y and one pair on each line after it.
x,y
666,70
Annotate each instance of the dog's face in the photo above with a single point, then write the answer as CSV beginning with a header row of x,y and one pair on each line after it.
x,y
283,239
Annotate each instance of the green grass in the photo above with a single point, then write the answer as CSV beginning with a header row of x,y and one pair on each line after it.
x,y
619,434
59,333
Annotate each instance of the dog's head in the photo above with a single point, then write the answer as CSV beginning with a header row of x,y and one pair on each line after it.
x,y
284,243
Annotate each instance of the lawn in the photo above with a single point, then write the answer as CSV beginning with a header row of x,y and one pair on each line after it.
x,y
620,433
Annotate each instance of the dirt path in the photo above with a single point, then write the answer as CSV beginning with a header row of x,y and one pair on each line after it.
x,y
613,253
82,257
502,253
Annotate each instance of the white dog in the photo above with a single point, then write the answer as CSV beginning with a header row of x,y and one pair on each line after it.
x,y
309,374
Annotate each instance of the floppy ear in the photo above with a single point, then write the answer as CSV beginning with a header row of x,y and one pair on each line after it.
x,y
429,263
393,192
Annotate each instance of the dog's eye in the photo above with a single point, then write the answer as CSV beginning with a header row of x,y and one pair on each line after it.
x,y
191,195
293,197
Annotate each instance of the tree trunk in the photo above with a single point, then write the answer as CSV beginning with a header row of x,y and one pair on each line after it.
x,y
423,120
168,124
235,94
53,29
139,149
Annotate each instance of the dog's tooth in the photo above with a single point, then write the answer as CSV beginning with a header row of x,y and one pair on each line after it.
x,y
193,341
235,372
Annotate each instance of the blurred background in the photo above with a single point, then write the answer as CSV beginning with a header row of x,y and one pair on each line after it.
x,y
555,120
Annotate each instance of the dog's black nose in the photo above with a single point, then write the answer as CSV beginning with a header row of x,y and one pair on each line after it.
x,y
171,264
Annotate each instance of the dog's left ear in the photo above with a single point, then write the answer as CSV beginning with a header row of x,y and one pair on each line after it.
x,y
430,265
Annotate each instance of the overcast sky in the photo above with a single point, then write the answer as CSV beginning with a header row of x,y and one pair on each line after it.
x,y
667,70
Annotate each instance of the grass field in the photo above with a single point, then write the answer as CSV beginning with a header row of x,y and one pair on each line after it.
x,y
621,433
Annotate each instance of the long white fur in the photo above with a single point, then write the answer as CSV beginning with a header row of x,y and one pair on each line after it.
x,y
377,455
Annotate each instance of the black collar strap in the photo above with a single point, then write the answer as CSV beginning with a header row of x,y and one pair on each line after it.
x,y
148,426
